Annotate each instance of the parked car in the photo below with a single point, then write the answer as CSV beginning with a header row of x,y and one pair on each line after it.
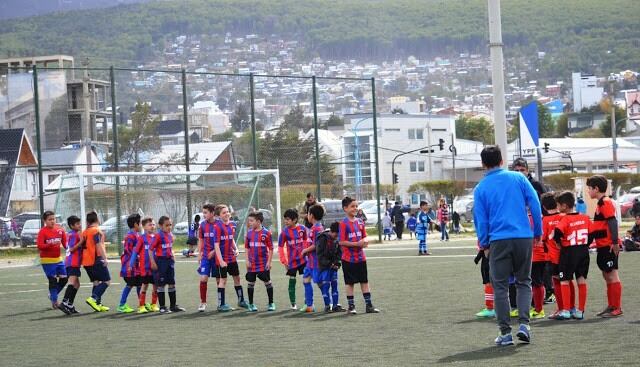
x,y
111,231
464,206
23,217
625,202
7,236
30,231
333,211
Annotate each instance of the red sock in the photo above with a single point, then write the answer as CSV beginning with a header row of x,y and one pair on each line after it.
x,y
572,288
143,298
488,296
616,292
566,296
538,299
557,290
609,295
203,292
582,296
154,295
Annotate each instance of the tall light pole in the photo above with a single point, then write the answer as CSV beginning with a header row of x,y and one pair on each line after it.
x,y
497,75
356,158
614,144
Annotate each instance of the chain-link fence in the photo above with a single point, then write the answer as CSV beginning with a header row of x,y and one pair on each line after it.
x,y
142,120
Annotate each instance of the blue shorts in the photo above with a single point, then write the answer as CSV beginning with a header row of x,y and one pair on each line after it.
x,y
73,271
166,272
323,276
208,267
54,270
387,231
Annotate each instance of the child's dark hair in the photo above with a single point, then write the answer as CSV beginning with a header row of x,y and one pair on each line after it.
x,y
598,181
92,217
163,219
423,203
47,214
132,220
291,214
196,218
334,227
210,207
317,211
347,201
72,220
566,198
548,200
146,220
257,216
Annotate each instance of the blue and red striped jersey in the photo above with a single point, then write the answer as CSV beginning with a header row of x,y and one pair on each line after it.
x,y
141,255
295,239
162,245
258,244
207,233
224,235
73,259
131,241
352,231
314,231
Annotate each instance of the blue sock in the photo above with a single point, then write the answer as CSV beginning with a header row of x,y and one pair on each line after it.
x,y
138,291
324,288
367,298
100,289
334,292
93,292
308,294
351,301
124,295
53,294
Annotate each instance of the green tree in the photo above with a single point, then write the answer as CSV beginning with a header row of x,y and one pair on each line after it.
x,y
475,128
138,139
605,127
562,128
240,120
335,121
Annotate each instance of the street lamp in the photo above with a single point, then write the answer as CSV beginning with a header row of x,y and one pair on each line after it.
x,y
356,156
614,146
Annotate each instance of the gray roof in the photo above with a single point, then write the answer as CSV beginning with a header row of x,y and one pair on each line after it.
x,y
60,157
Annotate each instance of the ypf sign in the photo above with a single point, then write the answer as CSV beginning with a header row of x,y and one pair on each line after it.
x,y
529,130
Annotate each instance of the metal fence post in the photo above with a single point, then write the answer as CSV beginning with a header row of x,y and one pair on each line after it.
x,y
36,102
187,156
116,156
254,134
375,142
315,131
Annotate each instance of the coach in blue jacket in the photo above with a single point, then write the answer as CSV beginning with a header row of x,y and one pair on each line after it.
x,y
501,202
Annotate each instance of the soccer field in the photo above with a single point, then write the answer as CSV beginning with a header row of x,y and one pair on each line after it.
x,y
427,303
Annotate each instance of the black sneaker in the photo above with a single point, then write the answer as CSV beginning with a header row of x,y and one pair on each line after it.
x,y
73,310
177,308
64,308
327,309
164,310
371,309
605,311
338,308
352,310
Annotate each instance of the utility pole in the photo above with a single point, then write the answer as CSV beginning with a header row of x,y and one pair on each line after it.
x,y
454,152
429,144
86,117
614,146
497,75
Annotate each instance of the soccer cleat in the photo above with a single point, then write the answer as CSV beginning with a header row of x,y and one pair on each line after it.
x,y
224,308
577,314
606,310
103,308
293,307
164,310
486,314
177,308
73,310
371,309
352,310
243,304
64,308
270,307
550,299
616,312
564,315
155,308
338,308
308,309
124,309
537,315
142,309
513,313
327,309
149,307
524,333
93,304
252,308
504,340
427,253
202,307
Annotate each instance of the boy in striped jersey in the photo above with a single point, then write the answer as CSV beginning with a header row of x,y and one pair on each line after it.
x,y
226,254
127,272
259,252
290,245
72,263
163,263
314,216
353,239
206,252
141,261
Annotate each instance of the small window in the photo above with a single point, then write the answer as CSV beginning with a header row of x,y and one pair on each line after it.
x,y
419,134
412,134
396,130
412,166
421,166
52,178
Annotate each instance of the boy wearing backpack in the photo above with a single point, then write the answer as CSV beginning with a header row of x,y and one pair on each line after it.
x,y
329,253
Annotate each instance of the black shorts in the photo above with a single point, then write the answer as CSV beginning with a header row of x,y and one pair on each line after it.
x,y
265,276
607,260
72,271
166,271
146,279
355,272
299,270
555,269
192,241
574,260
231,269
133,281
484,270
98,272
537,272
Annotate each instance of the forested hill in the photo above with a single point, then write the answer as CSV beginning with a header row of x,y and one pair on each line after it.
x,y
576,34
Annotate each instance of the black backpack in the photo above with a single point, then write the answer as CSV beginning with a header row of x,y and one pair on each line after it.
x,y
327,250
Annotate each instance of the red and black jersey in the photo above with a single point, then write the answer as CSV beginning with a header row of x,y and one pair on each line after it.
x,y
573,230
605,210
549,223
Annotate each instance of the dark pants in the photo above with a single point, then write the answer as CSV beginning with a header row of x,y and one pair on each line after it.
x,y
507,257
399,228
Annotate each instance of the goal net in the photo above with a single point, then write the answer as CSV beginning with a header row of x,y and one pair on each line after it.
x,y
179,195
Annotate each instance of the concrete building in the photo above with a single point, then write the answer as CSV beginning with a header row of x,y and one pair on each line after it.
x,y
586,92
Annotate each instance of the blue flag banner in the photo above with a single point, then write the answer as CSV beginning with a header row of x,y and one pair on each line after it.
x,y
529,129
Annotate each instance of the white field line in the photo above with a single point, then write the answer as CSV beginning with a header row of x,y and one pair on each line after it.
x,y
44,289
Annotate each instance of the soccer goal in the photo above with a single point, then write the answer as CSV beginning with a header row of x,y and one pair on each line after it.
x,y
179,195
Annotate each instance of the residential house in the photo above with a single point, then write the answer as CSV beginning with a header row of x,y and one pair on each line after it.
x,y
18,178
